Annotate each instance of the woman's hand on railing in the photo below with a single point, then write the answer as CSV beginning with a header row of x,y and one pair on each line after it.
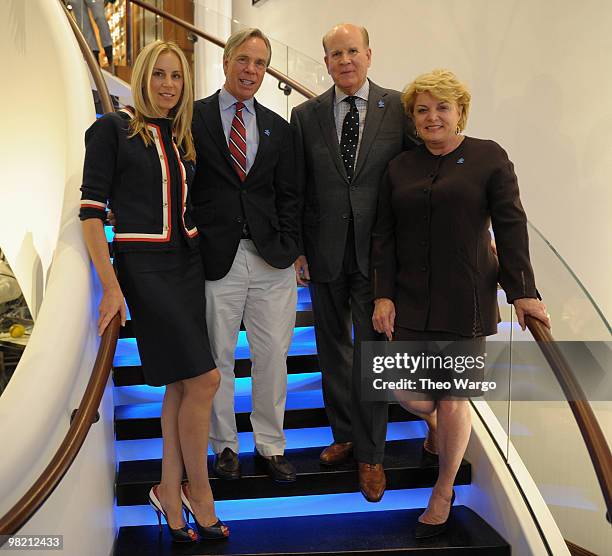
x,y
530,306
112,303
383,318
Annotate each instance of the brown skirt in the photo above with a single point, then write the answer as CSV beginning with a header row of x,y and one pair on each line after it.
x,y
445,344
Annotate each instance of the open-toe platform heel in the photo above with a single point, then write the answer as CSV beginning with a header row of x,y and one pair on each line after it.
x,y
184,534
217,531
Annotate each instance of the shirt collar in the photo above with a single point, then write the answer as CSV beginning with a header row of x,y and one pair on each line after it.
x,y
227,100
363,92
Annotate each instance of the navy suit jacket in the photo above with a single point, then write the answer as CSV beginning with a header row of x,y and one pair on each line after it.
x,y
268,198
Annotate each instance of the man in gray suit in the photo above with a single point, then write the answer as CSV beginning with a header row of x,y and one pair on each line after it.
x,y
344,140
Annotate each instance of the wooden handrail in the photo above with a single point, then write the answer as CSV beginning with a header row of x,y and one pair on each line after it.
x,y
85,415
593,436
219,42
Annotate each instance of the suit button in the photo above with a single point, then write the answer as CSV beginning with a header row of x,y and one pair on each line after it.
x,y
239,219
166,228
424,243
424,217
425,191
165,205
353,187
345,217
424,268
165,180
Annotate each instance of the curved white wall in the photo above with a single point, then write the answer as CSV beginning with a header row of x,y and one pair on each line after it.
x,y
541,83
47,107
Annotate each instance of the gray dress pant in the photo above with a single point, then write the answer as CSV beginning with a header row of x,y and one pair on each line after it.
x,y
337,305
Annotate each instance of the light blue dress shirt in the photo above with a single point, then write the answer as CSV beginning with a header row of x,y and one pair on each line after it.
x,y
228,111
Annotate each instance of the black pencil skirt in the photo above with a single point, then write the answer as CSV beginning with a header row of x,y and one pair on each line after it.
x,y
164,291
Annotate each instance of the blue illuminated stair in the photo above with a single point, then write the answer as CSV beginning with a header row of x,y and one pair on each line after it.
x,y
323,512
387,532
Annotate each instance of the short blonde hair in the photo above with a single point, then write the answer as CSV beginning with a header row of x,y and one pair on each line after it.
x,y
442,84
181,114
237,38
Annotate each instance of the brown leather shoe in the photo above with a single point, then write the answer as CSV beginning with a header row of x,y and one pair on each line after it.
x,y
336,453
372,481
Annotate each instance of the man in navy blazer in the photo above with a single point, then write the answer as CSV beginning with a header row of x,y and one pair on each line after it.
x,y
245,204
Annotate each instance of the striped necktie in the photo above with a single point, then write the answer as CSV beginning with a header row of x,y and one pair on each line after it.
x,y
237,142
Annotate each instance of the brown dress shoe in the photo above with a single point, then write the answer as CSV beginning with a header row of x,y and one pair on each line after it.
x,y
372,481
336,453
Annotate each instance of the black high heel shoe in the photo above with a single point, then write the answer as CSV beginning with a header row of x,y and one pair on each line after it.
x,y
184,534
426,530
217,531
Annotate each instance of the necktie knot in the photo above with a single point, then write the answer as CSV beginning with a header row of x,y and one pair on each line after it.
x,y
351,100
239,107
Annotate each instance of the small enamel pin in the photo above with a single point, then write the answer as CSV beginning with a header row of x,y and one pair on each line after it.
x,y
267,132
381,103
460,160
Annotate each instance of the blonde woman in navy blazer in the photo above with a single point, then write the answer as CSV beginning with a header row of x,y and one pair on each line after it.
x,y
140,164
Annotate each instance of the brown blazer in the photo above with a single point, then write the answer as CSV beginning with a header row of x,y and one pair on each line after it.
x,y
431,249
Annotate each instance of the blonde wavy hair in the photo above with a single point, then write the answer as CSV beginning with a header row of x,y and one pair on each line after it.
x,y
181,114
442,84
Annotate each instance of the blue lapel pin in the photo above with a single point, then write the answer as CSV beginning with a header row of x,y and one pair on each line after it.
x,y
460,161
381,103
267,132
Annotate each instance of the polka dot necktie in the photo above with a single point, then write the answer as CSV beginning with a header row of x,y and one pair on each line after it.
x,y
350,137
237,142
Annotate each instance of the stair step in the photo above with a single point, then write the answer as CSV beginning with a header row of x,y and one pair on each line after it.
x,y
131,375
303,409
303,317
151,448
404,463
388,532
143,394
302,343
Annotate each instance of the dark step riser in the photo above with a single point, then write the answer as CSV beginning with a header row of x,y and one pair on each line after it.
x,y
311,484
137,429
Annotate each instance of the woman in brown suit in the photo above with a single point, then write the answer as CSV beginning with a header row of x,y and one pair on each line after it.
x,y
434,273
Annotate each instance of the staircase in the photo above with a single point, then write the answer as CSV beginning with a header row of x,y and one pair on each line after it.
x,y
323,512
